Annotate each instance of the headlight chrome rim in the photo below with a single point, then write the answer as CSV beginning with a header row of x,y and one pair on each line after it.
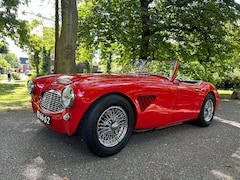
x,y
30,87
67,96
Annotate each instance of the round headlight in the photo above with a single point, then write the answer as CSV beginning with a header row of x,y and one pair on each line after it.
x,y
67,97
30,87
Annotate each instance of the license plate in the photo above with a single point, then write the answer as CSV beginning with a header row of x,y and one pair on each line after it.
x,y
44,118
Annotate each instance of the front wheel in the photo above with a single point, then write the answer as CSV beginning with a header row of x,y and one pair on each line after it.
x,y
108,125
207,111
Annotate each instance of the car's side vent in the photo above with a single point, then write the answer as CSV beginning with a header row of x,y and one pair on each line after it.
x,y
145,101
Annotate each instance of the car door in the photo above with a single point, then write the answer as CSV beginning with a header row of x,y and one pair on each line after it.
x,y
158,111
186,103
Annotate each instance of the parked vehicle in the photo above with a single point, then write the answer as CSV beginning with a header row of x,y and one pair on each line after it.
x,y
105,109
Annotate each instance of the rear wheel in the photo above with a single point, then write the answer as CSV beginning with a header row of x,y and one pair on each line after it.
x,y
108,125
207,111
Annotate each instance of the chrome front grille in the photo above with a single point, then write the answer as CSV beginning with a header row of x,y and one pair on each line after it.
x,y
51,101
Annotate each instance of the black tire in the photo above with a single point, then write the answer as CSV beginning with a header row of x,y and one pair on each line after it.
x,y
207,111
108,125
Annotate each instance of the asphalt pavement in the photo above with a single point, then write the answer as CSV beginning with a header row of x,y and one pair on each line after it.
x,y
31,151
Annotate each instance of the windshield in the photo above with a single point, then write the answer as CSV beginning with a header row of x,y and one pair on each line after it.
x,y
153,67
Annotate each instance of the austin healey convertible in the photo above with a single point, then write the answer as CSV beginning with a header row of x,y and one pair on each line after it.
x,y
104,109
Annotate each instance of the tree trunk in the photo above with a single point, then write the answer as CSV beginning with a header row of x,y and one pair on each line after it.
x,y
67,42
56,35
145,29
109,63
36,61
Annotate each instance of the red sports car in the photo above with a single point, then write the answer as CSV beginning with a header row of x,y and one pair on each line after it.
x,y
105,109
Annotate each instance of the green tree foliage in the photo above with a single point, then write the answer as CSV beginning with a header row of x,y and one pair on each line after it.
x,y
198,33
103,23
3,47
9,24
46,50
7,59
3,64
198,28
45,62
39,45
12,60
22,33
48,38
33,45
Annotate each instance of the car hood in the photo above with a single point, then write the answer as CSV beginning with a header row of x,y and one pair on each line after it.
x,y
104,79
67,79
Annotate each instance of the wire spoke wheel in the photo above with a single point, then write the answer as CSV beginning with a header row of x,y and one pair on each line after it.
x,y
112,126
108,125
208,110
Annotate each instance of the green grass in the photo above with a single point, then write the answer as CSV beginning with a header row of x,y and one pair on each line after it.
x,y
14,96
225,94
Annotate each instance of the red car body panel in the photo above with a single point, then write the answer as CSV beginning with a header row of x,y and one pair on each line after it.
x,y
156,101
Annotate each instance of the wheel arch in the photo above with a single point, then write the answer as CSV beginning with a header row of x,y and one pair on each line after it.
x,y
99,99
211,92
201,120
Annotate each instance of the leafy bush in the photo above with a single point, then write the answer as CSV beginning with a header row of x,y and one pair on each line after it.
x,y
232,81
